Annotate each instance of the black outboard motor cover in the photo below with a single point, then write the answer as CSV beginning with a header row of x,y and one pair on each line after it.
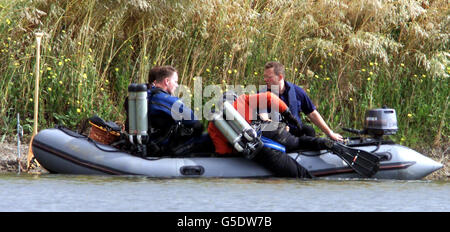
x,y
379,122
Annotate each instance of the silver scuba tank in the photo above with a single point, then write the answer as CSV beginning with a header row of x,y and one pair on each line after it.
x,y
228,132
239,122
132,111
141,112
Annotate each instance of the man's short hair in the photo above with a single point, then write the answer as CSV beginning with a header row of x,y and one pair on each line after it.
x,y
158,73
278,68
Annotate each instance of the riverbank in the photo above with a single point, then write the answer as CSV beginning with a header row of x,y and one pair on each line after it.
x,y
9,157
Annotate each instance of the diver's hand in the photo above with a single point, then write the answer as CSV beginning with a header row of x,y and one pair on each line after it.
x,y
336,136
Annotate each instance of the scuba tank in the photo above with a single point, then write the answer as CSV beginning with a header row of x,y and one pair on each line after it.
x,y
141,113
132,112
138,117
229,133
239,123
237,131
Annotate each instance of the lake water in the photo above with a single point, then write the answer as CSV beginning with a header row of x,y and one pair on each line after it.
x,y
50,193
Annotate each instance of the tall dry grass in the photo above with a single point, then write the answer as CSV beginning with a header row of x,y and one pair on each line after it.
x,y
348,55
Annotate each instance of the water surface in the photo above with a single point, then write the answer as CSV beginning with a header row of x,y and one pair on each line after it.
x,y
76,193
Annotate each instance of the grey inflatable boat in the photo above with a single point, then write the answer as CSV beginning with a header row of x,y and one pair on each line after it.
x,y
63,151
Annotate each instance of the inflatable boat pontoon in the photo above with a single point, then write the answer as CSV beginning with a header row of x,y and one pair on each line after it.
x,y
63,151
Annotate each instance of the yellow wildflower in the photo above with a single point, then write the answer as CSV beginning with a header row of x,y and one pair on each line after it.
x,y
31,99
368,79
60,82
363,70
329,54
78,110
60,63
409,115
402,64
351,99
101,89
235,71
207,70
229,72
256,73
49,68
316,76
84,75
371,63
371,73
49,89
321,66
116,69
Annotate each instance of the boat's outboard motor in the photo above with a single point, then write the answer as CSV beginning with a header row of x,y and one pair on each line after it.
x,y
379,122
138,117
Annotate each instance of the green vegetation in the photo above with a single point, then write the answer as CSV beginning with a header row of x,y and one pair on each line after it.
x,y
349,55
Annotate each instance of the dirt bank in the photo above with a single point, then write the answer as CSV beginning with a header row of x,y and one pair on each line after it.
x,y
9,158
9,155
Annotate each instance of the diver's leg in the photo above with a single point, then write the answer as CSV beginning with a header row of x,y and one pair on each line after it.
x,y
281,164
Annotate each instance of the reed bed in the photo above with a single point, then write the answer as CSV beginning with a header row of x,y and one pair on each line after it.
x,y
349,55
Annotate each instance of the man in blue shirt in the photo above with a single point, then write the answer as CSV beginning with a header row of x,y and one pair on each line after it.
x,y
297,100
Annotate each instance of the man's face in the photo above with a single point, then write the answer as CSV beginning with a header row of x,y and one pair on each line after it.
x,y
271,79
172,83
